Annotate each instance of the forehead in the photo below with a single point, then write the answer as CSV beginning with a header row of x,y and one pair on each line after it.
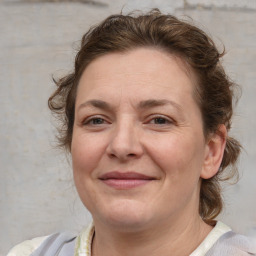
x,y
143,70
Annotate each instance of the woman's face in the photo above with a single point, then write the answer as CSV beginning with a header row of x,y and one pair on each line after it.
x,y
138,148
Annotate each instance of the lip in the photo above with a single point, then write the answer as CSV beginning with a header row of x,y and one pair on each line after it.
x,y
125,180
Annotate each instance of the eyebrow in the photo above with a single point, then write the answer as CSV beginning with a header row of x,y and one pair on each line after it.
x,y
95,103
146,104
158,103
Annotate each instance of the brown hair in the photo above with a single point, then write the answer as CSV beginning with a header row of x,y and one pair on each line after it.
x,y
214,90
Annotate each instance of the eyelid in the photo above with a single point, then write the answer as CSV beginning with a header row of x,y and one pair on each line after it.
x,y
87,120
160,116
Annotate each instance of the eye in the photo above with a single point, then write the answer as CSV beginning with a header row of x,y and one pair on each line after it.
x,y
160,120
95,121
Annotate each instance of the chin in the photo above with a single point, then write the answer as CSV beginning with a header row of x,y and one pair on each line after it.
x,y
127,216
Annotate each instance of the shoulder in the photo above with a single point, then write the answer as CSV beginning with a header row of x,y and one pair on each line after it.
x,y
64,242
50,245
219,229
27,247
233,244
222,241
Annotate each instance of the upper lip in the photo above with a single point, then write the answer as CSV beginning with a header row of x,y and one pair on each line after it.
x,y
125,176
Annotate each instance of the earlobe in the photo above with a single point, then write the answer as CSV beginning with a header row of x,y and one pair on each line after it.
x,y
214,152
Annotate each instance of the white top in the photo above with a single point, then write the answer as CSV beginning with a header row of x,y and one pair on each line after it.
x,y
84,240
219,229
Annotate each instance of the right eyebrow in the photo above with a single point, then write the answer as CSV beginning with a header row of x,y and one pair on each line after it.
x,y
95,103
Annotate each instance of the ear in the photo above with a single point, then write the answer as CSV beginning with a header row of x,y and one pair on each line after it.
x,y
214,151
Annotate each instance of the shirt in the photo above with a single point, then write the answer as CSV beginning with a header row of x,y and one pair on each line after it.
x,y
84,240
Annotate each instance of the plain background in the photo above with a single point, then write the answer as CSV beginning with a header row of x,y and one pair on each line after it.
x,y
38,40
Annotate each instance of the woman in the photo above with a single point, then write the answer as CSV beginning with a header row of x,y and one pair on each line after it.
x,y
146,115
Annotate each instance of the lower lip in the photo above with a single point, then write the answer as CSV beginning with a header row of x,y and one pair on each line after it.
x,y
125,184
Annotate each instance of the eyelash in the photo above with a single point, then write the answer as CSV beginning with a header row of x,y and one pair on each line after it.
x,y
90,121
161,118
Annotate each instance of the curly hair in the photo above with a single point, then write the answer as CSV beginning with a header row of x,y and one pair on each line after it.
x,y
214,92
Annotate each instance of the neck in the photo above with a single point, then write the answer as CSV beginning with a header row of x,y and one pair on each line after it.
x,y
179,239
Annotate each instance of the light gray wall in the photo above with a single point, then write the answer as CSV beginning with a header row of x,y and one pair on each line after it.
x,y
37,195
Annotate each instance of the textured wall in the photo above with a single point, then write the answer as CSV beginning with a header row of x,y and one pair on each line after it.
x,y
37,195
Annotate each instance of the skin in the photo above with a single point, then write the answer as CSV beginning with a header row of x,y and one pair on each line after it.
x,y
162,139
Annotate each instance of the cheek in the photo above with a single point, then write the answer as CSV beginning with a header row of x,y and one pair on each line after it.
x,y
180,160
86,152
177,155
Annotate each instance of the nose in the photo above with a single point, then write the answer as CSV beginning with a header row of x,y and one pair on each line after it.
x,y
125,142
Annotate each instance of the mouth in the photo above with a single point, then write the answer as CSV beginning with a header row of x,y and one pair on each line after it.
x,y
126,180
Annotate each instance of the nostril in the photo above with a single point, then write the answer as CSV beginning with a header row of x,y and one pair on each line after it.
x,y
131,155
124,148
112,155
127,156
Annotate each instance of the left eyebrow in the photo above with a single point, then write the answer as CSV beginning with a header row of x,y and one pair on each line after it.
x,y
158,103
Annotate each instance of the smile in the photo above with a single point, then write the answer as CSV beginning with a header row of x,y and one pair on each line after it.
x,y
127,180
